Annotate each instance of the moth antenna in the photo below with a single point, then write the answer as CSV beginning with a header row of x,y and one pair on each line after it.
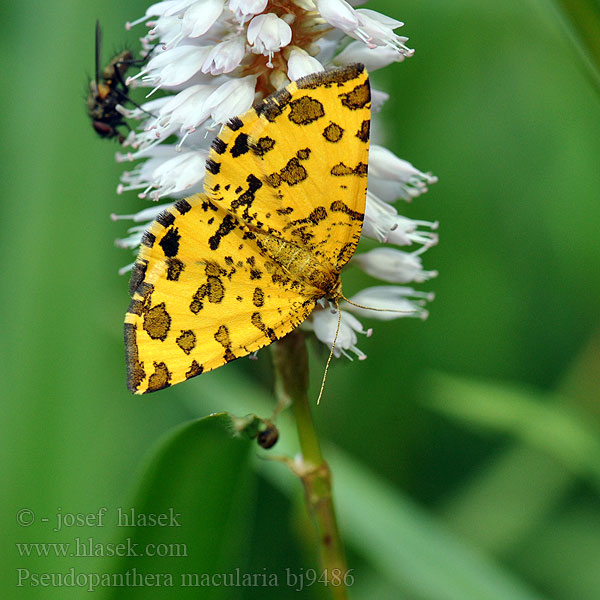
x,y
376,309
339,312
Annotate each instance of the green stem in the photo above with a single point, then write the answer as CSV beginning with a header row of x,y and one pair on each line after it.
x,y
582,20
290,359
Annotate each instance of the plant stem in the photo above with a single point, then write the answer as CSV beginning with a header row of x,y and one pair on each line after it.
x,y
290,359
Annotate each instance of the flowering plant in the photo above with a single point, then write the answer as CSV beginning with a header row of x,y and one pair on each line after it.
x,y
212,60
215,59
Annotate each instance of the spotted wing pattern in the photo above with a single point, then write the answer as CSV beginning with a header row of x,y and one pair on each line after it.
x,y
222,274
295,165
194,309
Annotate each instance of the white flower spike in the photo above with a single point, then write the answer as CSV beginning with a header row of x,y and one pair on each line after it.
x,y
215,58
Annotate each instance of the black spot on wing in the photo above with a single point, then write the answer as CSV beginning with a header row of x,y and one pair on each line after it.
x,y
137,275
357,98
345,254
333,132
363,133
240,145
337,76
247,198
208,205
219,146
227,225
157,322
263,145
148,239
160,379
341,169
305,110
339,206
174,268
195,369
272,106
222,336
235,124
268,332
170,242
274,179
258,297
183,206
229,356
212,166
315,217
186,341
135,368
166,219
293,172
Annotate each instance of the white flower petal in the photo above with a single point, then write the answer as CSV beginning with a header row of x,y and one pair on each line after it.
x,y
379,18
177,7
201,16
324,323
244,8
232,98
267,34
406,181
175,66
338,13
393,265
379,218
225,56
179,174
372,58
376,29
390,302
300,64
378,98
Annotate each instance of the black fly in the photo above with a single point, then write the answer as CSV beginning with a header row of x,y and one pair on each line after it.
x,y
109,89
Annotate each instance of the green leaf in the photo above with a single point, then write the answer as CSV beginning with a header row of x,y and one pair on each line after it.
x,y
576,532
406,545
199,477
507,500
581,20
541,422
409,546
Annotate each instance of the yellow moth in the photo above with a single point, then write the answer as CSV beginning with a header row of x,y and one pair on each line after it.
x,y
224,273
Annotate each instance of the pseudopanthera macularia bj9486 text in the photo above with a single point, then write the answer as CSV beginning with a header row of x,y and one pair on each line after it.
x,y
224,273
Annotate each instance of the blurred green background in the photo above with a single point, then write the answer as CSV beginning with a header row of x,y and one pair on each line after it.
x,y
465,450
